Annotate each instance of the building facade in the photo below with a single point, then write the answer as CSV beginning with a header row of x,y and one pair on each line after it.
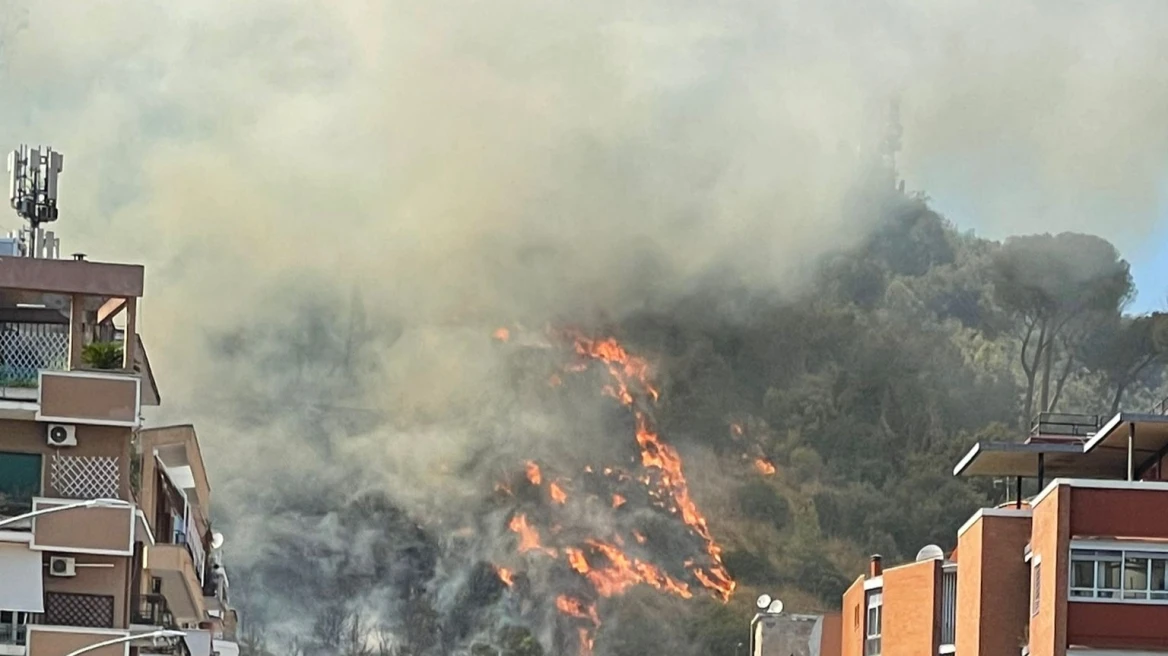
x,y
104,525
1080,568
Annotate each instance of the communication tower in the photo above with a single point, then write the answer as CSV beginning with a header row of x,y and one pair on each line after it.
x,y
32,191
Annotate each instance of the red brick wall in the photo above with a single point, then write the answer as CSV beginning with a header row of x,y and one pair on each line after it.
x,y
993,586
832,632
1051,541
1117,626
1107,513
852,620
912,609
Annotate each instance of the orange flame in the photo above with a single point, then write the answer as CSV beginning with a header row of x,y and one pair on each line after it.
x,y
585,641
528,536
764,466
576,608
502,334
655,454
736,429
533,474
618,501
505,576
557,493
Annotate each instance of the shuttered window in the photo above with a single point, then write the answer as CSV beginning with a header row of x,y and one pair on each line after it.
x,y
20,481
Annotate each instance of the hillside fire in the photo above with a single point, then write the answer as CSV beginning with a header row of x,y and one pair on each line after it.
x,y
594,567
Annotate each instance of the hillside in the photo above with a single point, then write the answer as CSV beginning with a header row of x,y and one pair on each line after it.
x,y
814,428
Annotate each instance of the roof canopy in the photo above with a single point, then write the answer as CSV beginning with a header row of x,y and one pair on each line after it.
x,y
1104,455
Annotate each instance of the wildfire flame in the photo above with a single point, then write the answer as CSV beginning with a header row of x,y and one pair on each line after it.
x,y
502,334
602,562
764,466
658,455
528,536
533,473
557,493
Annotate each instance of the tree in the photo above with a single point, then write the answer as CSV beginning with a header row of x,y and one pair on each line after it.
x,y
1053,286
1124,349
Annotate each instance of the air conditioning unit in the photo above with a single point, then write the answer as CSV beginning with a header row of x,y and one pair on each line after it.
x,y
62,435
62,566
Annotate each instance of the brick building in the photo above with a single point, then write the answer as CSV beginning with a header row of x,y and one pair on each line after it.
x,y
1080,568
104,523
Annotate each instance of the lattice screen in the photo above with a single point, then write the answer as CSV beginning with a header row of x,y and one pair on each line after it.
x,y
63,609
84,477
28,348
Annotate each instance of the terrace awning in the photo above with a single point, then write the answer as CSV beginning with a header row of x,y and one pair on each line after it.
x,y
22,575
1134,440
1033,460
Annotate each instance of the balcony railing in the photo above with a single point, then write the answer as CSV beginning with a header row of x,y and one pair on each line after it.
x,y
27,348
195,548
1058,424
1160,408
13,634
153,610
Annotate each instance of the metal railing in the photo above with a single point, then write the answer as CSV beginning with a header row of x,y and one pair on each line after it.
x,y
195,548
13,633
1160,408
153,610
27,348
1060,424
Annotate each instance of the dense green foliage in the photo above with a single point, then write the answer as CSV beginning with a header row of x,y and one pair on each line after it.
x,y
867,389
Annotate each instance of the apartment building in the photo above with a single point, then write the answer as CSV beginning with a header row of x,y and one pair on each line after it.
x,y
1079,568
106,544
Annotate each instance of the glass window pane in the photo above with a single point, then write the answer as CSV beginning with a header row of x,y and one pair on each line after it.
x,y
1158,567
1082,593
1082,574
1109,575
1135,576
20,481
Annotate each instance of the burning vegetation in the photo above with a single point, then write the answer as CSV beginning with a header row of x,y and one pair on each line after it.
x,y
594,567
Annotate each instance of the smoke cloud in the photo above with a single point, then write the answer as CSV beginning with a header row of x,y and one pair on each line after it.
x,y
338,201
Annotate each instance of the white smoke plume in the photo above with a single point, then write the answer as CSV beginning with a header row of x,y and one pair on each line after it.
x,y
467,164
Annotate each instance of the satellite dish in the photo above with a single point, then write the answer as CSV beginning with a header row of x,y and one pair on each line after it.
x,y
930,552
775,607
764,602
216,540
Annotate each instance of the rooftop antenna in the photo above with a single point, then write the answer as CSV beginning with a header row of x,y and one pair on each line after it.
x,y
32,188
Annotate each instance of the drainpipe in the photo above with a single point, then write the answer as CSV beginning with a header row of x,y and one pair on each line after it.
x,y
1131,444
1041,471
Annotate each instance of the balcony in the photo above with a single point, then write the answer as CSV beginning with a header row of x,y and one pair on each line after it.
x,y
13,633
26,349
106,531
174,564
152,611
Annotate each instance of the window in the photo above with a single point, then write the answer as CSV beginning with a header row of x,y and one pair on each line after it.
x,y
20,481
1036,586
1118,574
872,626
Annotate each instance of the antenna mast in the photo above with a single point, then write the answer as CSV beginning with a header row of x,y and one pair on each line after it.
x,y
32,191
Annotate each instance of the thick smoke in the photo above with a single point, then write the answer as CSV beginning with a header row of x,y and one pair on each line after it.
x,y
338,201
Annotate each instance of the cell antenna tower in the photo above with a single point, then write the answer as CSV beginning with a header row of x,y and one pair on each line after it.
x,y
32,188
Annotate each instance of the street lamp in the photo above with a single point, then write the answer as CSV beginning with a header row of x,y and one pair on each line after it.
x,y
88,503
163,633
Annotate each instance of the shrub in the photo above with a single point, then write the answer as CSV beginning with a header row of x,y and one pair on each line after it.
x,y
103,355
